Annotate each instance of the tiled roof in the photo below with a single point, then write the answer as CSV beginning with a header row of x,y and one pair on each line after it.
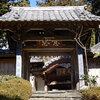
x,y
54,59
53,13
95,48
36,59
6,52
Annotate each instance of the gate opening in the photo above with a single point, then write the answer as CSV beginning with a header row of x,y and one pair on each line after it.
x,y
50,73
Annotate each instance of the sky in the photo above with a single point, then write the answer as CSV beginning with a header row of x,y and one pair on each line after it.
x,y
33,3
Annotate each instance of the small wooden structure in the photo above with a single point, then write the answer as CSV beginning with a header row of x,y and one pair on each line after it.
x,y
95,48
50,31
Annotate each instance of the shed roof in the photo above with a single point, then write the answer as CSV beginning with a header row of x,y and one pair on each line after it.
x,y
53,13
5,52
95,48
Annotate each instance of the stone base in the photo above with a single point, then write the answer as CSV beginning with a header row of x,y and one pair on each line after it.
x,y
57,95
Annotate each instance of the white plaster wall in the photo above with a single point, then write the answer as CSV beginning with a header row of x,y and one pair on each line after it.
x,y
40,83
95,72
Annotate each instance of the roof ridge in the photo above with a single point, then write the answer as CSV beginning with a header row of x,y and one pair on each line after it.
x,y
48,8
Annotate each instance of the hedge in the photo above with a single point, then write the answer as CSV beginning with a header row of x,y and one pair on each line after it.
x,y
91,94
15,89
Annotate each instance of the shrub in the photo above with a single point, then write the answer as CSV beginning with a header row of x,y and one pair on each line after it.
x,y
91,94
4,78
15,89
91,80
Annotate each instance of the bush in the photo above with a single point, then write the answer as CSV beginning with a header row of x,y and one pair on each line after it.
x,y
15,89
91,80
4,78
91,94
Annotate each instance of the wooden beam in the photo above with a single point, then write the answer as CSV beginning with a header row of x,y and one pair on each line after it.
x,y
0,25
7,60
49,53
47,49
7,55
27,25
40,38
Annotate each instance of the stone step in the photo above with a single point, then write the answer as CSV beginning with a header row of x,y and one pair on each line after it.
x,y
57,95
55,99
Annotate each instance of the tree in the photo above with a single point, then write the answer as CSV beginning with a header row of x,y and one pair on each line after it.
x,y
3,7
92,42
20,3
95,6
60,2
4,4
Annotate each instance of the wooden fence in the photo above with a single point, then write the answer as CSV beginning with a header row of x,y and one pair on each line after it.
x,y
7,64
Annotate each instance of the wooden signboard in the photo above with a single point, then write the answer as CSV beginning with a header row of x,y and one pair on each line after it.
x,y
18,60
49,44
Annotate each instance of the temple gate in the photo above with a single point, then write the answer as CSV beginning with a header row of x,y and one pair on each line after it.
x,y
50,31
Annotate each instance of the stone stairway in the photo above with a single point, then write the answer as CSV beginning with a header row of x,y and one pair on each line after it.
x,y
57,95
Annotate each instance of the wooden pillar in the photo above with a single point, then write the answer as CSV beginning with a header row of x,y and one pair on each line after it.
x,y
26,65
80,67
19,60
73,70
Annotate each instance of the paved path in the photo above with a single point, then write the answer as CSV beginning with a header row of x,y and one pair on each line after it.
x,y
57,95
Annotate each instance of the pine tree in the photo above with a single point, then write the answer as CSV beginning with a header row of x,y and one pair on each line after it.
x,y
60,2
95,6
4,5
22,3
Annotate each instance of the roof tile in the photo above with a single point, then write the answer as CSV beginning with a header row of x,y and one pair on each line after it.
x,y
53,13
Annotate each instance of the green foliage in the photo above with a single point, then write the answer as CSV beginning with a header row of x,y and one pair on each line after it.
x,y
91,80
20,3
4,78
91,94
95,6
97,54
60,2
3,9
3,39
4,5
15,89
92,42
86,78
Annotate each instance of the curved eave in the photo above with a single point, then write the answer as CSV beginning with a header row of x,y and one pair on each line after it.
x,y
39,24
78,20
